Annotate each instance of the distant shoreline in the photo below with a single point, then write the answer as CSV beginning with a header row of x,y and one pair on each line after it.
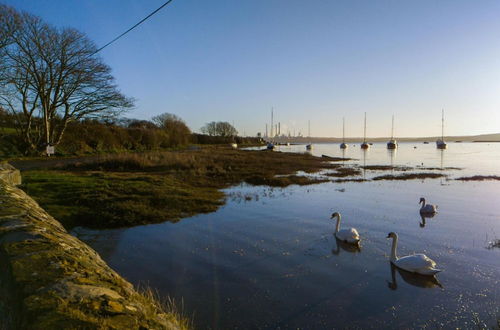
x,y
472,138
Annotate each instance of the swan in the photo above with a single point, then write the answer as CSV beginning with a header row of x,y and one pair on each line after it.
x,y
417,280
348,235
427,208
417,263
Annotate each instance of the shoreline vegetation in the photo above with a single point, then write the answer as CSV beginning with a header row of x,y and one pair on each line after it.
x,y
121,190
129,189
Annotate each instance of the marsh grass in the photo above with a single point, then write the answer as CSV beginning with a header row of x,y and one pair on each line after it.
x,y
342,172
129,189
386,168
164,306
409,176
479,178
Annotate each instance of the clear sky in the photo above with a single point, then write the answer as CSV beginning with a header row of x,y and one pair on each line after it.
x,y
316,60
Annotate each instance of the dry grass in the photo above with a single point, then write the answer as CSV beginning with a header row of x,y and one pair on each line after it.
x,y
164,306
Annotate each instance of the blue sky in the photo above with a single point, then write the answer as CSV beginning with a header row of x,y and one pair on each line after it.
x,y
232,60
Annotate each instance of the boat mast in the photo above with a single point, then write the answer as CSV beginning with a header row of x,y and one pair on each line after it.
x,y
364,134
343,130
442,124
272,118
309,128
392,129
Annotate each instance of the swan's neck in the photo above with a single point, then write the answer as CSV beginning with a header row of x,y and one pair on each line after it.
x,y
394,257
423,202
337,228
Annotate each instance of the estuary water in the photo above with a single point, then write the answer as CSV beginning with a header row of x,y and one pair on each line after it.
x,y
268,258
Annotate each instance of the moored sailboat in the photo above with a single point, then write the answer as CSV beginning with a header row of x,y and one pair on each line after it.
x,y
365,145
343,145
440,144
392,144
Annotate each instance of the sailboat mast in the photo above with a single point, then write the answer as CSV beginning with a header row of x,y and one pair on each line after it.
x,y
392,129
442,124
364,134
343,130
309,128
272,119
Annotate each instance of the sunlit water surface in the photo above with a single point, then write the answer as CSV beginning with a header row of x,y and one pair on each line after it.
x,y
268,258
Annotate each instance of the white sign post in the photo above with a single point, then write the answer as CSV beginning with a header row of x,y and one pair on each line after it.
x,y
50,150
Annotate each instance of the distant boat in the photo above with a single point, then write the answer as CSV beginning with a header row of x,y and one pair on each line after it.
x,y
343,145
440,144
270,146
425,142
234,145
309,146
392,144
365,145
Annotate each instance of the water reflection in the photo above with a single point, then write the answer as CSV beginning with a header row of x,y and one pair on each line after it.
x,y
341,245
421,281
92,237
423,217
392,155
364,151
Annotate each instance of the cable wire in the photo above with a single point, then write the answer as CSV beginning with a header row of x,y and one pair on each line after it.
x,y
133,27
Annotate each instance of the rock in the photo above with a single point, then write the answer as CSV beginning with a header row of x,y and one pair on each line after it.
x,y
52,280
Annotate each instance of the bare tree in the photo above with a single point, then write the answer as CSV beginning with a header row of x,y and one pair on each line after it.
x,y
53,77
9,23
177,130
220,128
210,128
225,129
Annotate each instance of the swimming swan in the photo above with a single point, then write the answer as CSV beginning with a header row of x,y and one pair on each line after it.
x,y
349,235
427,208
417,263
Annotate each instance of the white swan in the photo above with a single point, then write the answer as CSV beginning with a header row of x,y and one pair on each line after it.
x,y
417,263
349,235
427,208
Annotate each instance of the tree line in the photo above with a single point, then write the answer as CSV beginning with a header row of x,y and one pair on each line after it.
x,y
53,83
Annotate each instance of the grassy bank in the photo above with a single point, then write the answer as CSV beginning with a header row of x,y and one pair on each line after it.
x,y
130,189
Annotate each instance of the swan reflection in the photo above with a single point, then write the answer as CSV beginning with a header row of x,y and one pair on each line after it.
x,y
341,245
423,217
421,281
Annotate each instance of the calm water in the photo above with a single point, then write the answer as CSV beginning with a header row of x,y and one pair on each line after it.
x,y
268,258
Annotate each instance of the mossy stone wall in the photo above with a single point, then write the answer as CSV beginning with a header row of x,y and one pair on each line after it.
x,y
9,174
51,280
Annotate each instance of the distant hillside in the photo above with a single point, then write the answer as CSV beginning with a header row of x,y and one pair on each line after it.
x,y
470,138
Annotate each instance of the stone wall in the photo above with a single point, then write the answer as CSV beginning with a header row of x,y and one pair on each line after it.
x,y
9,174
51,280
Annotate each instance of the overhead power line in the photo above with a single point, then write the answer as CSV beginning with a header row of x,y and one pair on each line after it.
x,y
133,27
